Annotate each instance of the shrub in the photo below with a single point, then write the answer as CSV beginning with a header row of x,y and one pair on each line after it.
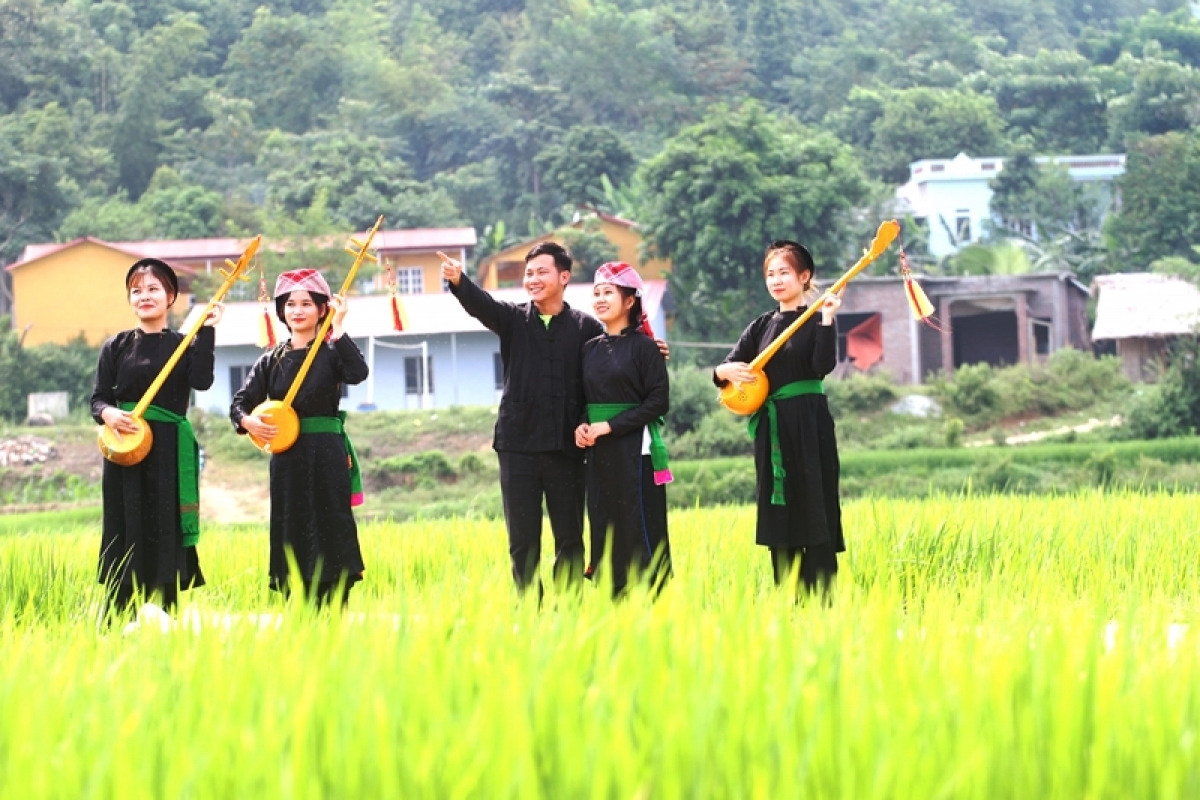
x,y
419,470
720,433
973,393
861,393
693,397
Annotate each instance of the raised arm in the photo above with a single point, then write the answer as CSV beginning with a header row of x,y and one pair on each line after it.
x,y
351,366
495,315
201,358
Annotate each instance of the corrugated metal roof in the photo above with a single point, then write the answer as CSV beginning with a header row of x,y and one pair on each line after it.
x,y
1143,304
427,314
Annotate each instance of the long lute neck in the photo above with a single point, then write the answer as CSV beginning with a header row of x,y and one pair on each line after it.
x,y
360,255
230,278
887,232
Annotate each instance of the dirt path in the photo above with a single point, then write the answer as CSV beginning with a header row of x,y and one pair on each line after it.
x,y
227,505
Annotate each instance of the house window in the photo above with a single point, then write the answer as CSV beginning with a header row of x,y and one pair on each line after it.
x,y
498,370
1041,338
412,375
237,376
962,225
410,280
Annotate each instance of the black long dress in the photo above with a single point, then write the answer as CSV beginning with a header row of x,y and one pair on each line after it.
x,y
812,515
622,498
142,538
310,483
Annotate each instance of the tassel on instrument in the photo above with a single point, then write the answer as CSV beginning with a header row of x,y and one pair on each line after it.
x,y
266,331
266,325
399,317
918,302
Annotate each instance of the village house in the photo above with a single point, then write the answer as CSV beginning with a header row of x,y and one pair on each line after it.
x,y
1141,313
993,319
443,357
62,291
506,267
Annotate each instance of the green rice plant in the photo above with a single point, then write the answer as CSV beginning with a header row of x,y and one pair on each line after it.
x,y
975,647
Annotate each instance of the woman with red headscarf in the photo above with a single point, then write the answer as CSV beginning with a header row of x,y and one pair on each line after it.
x,y
627,392
313,483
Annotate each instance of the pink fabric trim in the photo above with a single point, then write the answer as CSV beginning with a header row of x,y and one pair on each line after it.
x,y
663,476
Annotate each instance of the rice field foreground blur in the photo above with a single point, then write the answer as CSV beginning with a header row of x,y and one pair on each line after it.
x,y
979,647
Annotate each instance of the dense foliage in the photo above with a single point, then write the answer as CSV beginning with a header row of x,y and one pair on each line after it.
x,y
179,118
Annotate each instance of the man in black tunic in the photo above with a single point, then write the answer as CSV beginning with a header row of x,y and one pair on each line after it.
x,y
540,346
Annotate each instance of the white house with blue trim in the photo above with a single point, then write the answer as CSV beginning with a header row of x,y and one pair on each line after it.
x,y
461,357
954,195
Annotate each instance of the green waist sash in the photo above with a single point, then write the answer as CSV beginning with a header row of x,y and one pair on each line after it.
x,y
188,458
338,425
603,412
785,392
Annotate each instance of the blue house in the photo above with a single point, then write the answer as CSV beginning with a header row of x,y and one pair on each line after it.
x,y
954,196
444,357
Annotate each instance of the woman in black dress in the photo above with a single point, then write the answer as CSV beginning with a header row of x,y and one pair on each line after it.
x,y
315,482
151,509
795,449
627,392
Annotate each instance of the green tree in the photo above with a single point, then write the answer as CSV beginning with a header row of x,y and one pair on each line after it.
x,y
289,66
1057,98
1159,214
575,165
929,123
721,190
1164,97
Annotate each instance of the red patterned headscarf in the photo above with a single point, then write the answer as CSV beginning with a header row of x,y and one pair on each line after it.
x,y
301,280
618,273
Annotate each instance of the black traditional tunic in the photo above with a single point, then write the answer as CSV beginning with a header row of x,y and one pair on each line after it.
x,y
310,482
622,498
812,514
142,538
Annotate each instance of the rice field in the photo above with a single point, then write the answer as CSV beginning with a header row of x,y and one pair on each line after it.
x,y
977,647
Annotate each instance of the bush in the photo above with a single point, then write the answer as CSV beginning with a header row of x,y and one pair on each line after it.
x,y
419,470
973,394
693,397
721,433
1172,407
861,393
69,368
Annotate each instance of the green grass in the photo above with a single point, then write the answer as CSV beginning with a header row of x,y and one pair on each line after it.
x,y
978,647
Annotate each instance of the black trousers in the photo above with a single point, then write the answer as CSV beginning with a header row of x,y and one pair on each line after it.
x,y
810,567
525,478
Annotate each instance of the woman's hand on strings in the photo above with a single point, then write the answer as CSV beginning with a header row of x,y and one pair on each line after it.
x,y
832,303
338,304
737,372
452,268
214,315
118,421
255,426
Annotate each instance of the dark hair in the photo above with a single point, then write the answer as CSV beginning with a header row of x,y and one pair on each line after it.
x,y
795,254
155,269
317,297
562,259
635,311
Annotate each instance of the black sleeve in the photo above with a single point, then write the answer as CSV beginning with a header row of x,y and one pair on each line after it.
x,y
495,315
351,366
253,391
824,357
201,358
745,350
653,371
103,393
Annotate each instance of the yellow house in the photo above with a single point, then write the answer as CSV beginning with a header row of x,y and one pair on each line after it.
x,y
62,290
506,267
65,290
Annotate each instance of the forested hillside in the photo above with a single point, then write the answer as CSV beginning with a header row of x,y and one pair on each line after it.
x,y
718,125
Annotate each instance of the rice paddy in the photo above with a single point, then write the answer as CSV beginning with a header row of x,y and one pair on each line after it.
x,y
976,647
